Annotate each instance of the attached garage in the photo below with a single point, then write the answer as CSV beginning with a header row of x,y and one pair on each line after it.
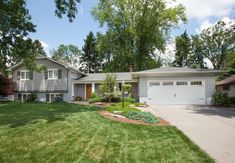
x,y
176,92
171,85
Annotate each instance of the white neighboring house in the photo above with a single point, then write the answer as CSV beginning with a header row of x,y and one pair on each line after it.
x,y
165,85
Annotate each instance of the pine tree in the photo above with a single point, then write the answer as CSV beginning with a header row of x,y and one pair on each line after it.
x,y
90,59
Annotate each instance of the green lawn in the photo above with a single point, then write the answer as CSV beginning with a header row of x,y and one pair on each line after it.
x,y
71,133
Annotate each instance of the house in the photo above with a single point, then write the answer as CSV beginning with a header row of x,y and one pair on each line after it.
x,y
165,85
227,85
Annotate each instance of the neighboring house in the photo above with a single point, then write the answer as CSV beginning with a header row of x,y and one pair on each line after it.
x,y
227,85
165,85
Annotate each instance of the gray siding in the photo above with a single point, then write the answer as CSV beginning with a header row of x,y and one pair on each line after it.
x,y
79,90
39,84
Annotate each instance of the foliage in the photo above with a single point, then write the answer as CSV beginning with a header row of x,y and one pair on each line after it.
x,y
129,99
217,42
138,104
67,54
32,97
66,7
28,127
109,89
4,85
221,98
232,100
16,24
134,31
147,117
118,107
94,98
90,59
183,50
127,88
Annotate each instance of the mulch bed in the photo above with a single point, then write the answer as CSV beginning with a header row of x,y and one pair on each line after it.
x,y
126,120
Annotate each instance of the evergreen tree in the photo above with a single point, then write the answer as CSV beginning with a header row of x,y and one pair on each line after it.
x,y
90,59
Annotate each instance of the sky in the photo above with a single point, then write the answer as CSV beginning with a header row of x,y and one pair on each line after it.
x,y
52,31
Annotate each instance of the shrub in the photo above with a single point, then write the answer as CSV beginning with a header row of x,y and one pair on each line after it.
x,y
96,99
147,117
129,99
221,98
232,100
94,95
33,97
78,98
58,99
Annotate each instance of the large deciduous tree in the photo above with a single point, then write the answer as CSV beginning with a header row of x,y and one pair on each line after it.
x,y
217,42
67,54
91,61
15,26
134,29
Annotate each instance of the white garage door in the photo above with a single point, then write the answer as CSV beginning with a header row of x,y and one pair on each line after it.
x,y
176,92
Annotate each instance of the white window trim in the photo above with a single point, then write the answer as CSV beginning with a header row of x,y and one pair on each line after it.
x,y
55,94
53,74
24,71
22,94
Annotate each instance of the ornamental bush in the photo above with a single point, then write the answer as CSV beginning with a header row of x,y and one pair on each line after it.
x,y
147,117
221,98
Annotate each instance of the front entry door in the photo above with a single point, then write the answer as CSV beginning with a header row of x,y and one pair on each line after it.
x,y
88,91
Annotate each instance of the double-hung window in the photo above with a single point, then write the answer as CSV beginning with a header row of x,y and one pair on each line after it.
x,y
24,75
52,74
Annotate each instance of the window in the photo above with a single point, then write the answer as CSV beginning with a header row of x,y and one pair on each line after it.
x,y
73,74
196,82
167,83
52,97
154,84
23,97
181,83
24,75
53,74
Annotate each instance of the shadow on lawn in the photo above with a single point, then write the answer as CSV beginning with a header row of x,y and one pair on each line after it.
x,y
213,111
20,114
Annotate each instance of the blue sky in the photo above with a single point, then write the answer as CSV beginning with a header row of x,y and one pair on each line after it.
x,y
52,31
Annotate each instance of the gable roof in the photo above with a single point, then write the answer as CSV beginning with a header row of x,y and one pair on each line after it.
x,y
39,56
98,77
229,80
165,71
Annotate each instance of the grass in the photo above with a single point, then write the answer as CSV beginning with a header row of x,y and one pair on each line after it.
x,y
38,132
118,107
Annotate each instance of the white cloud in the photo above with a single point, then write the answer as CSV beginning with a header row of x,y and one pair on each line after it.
x,y
169,55
45,46
206,24
203,9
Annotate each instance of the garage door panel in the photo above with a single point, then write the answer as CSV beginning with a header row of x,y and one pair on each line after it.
x,y
176,94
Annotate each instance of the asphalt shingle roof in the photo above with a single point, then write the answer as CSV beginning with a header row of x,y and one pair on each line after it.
x,y
229,80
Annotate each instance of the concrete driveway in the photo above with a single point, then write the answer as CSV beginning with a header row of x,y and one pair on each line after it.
x,y
213,129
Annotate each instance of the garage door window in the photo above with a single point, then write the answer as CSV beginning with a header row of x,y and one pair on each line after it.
x,y
181,83
196,82
167,83
154,84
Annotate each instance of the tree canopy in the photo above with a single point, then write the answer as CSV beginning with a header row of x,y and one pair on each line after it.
x,y
134,29
67,54
91,61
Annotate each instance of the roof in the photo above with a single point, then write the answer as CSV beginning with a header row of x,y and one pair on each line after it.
x,y
39,56
98,77
164,71
229,80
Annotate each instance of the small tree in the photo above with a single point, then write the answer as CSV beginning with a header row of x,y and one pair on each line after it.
x,y
108,87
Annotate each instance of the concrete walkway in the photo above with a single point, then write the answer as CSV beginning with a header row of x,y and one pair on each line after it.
x,y
213,129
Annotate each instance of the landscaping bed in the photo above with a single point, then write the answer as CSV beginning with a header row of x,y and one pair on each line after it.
x,y
109,115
